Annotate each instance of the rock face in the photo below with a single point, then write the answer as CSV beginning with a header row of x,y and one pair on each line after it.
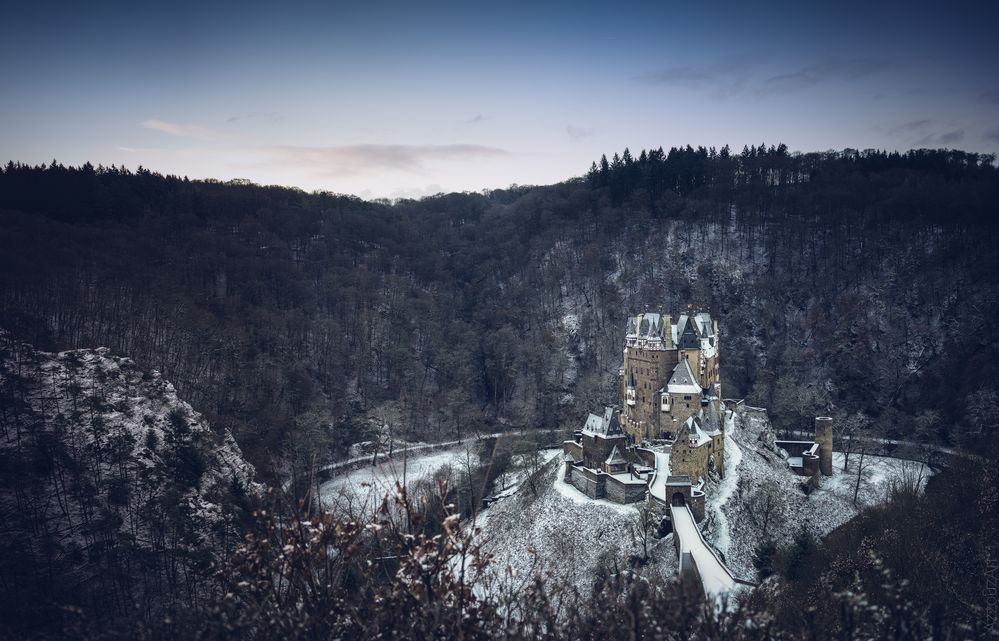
x,y
114,493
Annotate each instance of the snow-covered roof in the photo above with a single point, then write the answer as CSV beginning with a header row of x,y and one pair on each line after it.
x,y
697,436
688,332
704,325
606,425
646,327
683,381
710,420
615,457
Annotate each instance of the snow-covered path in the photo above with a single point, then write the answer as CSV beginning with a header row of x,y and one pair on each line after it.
x,y
715,577
658,487
718,580
728,485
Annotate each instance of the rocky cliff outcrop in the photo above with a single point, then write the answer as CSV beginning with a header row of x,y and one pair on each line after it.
x,y
114,494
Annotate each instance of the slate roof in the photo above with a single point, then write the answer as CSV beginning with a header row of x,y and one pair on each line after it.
x,y
606,425
711,420
688,333
697,435
647,326
615,457
683,380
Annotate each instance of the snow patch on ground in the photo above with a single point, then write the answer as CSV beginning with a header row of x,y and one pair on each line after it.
x,y
562,534
359,493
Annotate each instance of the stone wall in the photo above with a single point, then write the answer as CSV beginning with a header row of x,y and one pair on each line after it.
x,y
651,369
573,449
682,407
697,505
645,457
689,461
620,492
596,449
824,437
718,451
588,482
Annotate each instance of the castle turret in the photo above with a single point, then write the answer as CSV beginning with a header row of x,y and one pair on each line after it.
x,y
824,437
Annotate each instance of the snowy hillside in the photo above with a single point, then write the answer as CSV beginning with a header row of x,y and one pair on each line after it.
x,y
761,483
562,533
108,479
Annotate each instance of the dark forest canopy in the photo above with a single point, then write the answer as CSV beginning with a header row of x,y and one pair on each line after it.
x,y
117,192
856,283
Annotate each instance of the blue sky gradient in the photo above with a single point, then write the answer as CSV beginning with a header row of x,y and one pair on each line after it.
x,y
391,99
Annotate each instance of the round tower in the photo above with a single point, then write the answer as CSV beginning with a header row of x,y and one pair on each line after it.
x,y
824,437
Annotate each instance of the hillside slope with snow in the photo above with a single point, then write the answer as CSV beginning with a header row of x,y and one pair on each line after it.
x,y
112,489
759,481
561,533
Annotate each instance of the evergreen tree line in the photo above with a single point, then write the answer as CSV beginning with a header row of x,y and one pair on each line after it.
x,y
686,170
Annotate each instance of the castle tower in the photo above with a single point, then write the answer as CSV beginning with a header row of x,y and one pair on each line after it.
x,y
824,437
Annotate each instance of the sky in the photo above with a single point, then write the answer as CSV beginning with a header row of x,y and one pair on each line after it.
x,y
388,99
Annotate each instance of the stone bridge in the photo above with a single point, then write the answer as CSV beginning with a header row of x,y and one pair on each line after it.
x,y
698,560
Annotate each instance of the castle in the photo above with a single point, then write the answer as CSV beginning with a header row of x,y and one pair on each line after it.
x,y
672,412
668,371
671,395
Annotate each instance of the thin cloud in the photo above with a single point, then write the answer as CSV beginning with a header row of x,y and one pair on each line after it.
x,y
269,116
474,120
951,137
176,129
926,133
848,69
337,161
722,79
992,135
577,133
355,160
910,127
991,96
736,76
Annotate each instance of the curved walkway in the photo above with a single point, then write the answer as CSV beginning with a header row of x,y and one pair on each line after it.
x,y
715,577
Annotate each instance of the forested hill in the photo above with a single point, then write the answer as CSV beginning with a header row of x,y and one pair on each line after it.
x,y
855,283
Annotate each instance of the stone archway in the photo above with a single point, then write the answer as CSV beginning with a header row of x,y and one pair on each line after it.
x,y
678,499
